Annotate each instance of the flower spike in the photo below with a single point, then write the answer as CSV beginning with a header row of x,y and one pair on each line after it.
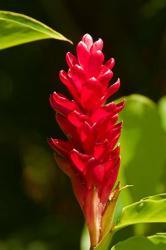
x,y
90,156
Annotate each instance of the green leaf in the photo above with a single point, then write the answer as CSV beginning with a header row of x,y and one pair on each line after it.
x,y
142,149
154,242
148,210
139,242
158,238
17,29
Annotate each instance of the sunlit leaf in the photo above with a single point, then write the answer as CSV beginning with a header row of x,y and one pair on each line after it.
x,y
142,148
17,29
140,242
148,210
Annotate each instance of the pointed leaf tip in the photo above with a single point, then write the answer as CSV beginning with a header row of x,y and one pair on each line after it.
x,y
17,29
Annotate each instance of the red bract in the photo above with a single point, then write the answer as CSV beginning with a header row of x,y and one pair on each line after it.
x,y
90,155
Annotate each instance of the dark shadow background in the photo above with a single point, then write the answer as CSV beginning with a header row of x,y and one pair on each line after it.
x,y
37,207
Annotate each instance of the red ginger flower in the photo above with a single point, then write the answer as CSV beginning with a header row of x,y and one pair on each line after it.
x,y
90,156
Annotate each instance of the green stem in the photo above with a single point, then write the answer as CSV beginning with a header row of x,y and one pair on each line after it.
x,y
105,242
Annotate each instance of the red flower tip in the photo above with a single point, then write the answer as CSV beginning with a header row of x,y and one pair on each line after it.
x,y
90,155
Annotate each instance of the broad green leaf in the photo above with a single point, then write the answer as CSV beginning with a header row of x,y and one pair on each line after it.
x,y
148,210
142,149
17,29
156,242
143,243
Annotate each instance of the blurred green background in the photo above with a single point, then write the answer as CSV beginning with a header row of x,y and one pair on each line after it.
x,y
37,208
